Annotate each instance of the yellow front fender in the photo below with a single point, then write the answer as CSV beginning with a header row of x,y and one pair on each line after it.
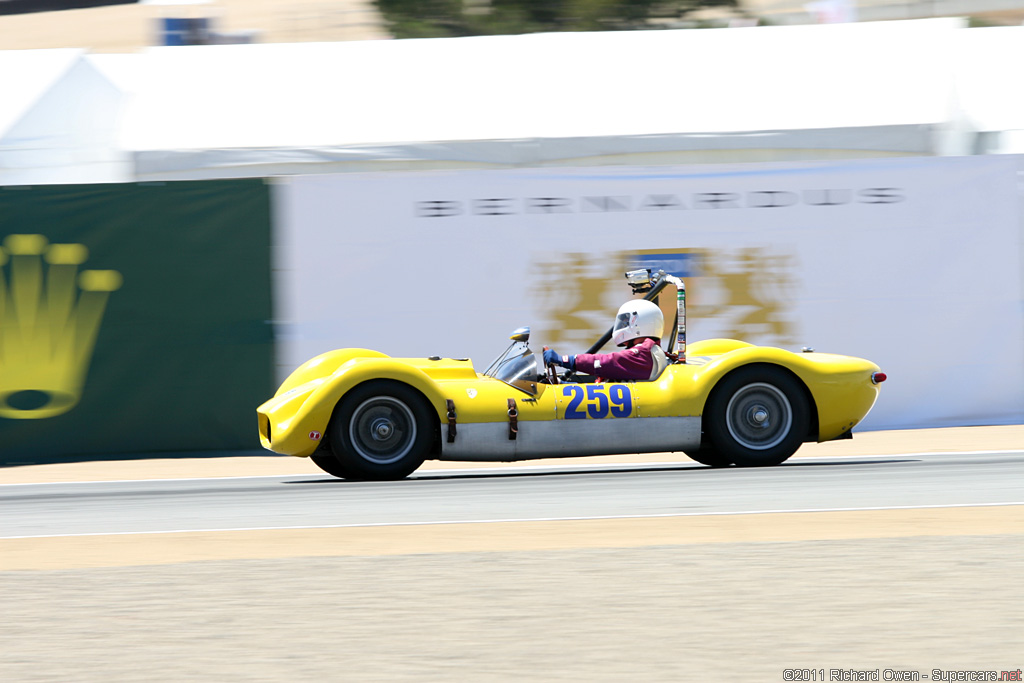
x,y
294,421
323,365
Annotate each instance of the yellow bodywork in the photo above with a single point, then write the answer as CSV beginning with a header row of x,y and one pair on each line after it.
x,y
294,421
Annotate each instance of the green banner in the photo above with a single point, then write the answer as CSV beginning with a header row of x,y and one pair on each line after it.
x,y
134,318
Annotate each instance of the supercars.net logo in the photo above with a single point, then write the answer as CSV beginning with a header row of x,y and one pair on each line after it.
x,y
50,314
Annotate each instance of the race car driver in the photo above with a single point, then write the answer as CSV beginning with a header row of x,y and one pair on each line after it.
x,y
638,328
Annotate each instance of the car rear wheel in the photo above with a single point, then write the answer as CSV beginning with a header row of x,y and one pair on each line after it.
x,y
707,455
757,416
381,430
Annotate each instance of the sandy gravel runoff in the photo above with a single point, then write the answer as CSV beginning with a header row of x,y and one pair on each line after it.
x,y
705,598
706,612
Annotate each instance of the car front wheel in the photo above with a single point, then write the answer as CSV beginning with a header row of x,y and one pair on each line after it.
x,y
381,430
758,416
329,464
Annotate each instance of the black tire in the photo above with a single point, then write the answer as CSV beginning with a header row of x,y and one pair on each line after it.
x,y
757,416
329,464
381,430
707,455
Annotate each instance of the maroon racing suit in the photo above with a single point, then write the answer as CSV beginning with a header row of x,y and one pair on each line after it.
x,y
634,362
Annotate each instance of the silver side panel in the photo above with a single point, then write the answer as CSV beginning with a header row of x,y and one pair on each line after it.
x,y
489,441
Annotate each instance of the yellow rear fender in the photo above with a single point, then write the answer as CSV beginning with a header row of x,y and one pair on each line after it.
x,y
713,374
323,366
716,367
714,347
683,390
838,386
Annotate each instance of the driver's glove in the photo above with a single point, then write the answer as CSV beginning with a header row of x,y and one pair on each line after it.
x,y
551,356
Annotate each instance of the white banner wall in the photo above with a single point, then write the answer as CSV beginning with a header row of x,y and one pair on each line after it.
x,y
912,263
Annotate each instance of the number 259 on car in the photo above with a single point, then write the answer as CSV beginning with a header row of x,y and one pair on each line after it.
x,y
597,401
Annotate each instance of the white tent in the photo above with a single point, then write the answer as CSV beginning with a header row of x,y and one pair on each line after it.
x,y
992,104
59,119
848,90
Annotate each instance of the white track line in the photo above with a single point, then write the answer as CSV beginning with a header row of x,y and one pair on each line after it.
x,y
525,519
521,465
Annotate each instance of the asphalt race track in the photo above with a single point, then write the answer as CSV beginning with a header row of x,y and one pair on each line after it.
x,y
512,494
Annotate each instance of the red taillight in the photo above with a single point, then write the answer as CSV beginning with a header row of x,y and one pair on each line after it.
x,y
877,377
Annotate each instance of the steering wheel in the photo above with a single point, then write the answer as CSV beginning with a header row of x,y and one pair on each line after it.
x,y
552,374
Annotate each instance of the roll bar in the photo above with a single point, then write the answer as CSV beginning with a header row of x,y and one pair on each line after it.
x,y
660,281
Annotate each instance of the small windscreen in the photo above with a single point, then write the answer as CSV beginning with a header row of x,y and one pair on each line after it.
x,y
518,370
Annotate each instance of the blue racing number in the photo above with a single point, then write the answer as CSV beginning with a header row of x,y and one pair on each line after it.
x,y
601,400
597,402
622,402
572,411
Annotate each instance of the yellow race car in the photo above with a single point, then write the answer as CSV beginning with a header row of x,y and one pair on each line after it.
x,y
360,414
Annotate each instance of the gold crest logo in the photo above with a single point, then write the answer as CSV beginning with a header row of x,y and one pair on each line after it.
x,y
749,291
50,314
577,291
746,293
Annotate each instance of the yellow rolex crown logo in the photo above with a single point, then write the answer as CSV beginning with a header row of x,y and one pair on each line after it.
x,y
50,314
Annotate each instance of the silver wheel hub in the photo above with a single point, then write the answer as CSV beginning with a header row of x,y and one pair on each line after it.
x,y
382,430
759,416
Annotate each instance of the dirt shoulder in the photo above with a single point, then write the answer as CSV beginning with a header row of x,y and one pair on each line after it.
x,y
948,440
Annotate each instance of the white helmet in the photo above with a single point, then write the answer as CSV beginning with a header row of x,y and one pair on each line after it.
x,y
637,318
